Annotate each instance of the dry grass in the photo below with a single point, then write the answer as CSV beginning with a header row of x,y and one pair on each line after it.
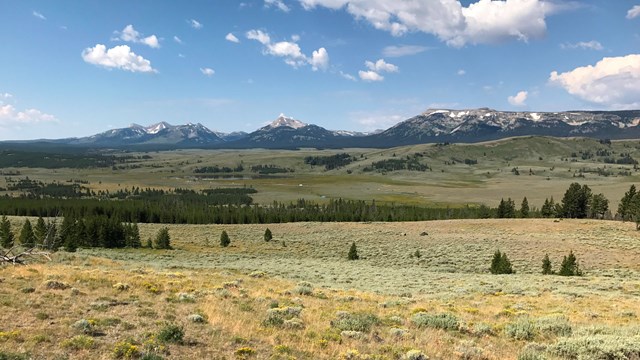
x,y
129,296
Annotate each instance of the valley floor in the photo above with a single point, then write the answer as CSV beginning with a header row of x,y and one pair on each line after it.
x,y
418,288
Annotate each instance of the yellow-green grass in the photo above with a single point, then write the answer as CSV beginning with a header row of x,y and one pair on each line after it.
x,y
234,287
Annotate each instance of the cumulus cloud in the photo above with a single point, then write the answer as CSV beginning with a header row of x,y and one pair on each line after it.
x,y
38,15
195,24
634,12
519,99
130,34
381,66
319,59
613,82
232,38
119,57
375,68
207,72
12,117
290,51
278,4
482,22
583,45
403,50
370,76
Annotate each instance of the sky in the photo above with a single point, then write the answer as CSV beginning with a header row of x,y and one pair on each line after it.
x,y
73,68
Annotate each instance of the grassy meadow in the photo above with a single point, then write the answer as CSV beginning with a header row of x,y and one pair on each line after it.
x,y
420,290
298,297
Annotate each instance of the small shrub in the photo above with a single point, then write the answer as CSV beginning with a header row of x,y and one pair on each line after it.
x,y
186,298
282,349
224,239
443,321
55,285
353,252
554,326
303,288
171,333
521,329
348,334
355,322
415,355
196,318
121,287
13,356
598,347
244,352
84,326
125,350
293,324
268,235
42,316
278,317
79,342
399,333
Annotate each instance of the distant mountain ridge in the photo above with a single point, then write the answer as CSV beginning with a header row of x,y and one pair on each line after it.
x,y
434,125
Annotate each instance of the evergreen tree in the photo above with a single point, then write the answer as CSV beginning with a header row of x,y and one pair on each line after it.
x,y
548,209
27,238
353,252
6,235
224,239
569,266
268,235
506,209
524,208
500,264
149,243
163,240
133,236
598,206
546,266
40,230
624,208
575,203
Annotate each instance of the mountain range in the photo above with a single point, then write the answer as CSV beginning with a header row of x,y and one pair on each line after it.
x,y
432,126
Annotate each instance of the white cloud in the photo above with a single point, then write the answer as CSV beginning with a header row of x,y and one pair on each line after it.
x,y
130,34
177,39
207,71
290,51
348,76
38,15
5,96
634,12
370,76
319,60
584,45
118,57
461,72
403,50
258,35
375,68
380,66
482,22
195,24
374,120
613,82
519,99
232,38
11,117
277,3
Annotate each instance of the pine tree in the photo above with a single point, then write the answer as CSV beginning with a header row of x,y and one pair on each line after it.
x,y
546,266
500,264
6,235
569,266
133,236
353,252
40,230
624,210
27,238
149,243
268,235
163,240
524,208
224,239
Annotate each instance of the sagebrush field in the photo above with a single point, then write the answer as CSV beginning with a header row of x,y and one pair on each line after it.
x,y
420,290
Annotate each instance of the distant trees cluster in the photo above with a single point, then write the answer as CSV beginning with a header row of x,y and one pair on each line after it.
x,y
500,264
330,162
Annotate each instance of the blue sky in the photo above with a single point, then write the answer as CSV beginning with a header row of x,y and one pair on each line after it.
x,y
75,68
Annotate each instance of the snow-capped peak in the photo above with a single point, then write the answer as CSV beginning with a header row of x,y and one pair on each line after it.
x,y
156,128
283,120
